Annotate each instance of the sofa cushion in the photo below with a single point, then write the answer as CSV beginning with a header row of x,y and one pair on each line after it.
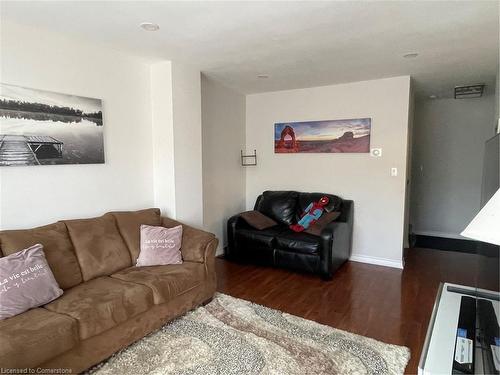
x,y
129,224
297,261
99,247
280,206
57,247
298,242
102,303
35,336
166,282
254,237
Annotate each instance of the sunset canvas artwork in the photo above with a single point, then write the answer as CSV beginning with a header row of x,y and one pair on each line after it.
x,y
331,136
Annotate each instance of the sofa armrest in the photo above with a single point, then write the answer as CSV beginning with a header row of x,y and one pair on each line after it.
x,y
235,221
232,225
336,240
197,245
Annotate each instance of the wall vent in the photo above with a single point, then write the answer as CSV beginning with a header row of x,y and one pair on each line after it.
x,y
469,91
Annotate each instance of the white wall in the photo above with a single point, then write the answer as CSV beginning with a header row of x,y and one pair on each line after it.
x,y
39,195
186,107
163,137
409,164
223,125
449,137
379,198
176,122
497,97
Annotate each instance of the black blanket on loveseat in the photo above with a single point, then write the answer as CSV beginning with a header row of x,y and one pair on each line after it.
x,y
282,247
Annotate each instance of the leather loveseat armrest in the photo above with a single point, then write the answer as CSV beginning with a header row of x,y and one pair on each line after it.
x,y
336,240
197,245
232,225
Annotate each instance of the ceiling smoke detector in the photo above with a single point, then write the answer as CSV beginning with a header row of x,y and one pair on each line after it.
x,y
469,91
149,26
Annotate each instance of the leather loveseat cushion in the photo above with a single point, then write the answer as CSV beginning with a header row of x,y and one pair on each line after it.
x,y
297,261
257,245
129,224
279,205
100,304
35,336
166,282
256,238
99,247
57,247
298,242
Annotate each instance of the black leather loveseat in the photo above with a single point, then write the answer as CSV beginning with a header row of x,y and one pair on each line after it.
x,y
282,247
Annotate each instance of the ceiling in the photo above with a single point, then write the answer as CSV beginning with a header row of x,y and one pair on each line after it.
x,y
298,44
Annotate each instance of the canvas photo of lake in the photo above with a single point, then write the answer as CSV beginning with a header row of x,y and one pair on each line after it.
x,y
350,135
40,127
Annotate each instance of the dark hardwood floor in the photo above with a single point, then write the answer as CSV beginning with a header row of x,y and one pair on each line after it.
x,y
384,303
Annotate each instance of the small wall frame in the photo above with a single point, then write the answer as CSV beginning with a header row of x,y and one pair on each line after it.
x,y
249,160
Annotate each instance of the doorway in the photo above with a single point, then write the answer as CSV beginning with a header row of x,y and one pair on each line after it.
x,y
448,147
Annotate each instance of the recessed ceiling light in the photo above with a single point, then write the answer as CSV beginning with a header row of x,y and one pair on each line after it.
x,y
149,26
410,55
432,96
263,76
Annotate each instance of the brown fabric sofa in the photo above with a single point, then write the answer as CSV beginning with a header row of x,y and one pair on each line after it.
x,y
107,302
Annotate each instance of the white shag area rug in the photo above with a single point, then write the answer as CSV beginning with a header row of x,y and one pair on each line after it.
x,y
233,336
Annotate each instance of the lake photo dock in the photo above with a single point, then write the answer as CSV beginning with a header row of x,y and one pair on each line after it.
x,y
22,150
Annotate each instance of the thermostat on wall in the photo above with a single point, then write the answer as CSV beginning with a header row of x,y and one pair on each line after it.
x,y
376,152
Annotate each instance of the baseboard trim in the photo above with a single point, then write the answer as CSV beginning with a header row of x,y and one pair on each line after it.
x,y
431,233
462,245
377,261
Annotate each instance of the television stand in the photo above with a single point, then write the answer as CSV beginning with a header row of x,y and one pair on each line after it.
x,y
455,321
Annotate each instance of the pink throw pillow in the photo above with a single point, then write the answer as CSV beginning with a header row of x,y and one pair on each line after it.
x,y
160,246
26,281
